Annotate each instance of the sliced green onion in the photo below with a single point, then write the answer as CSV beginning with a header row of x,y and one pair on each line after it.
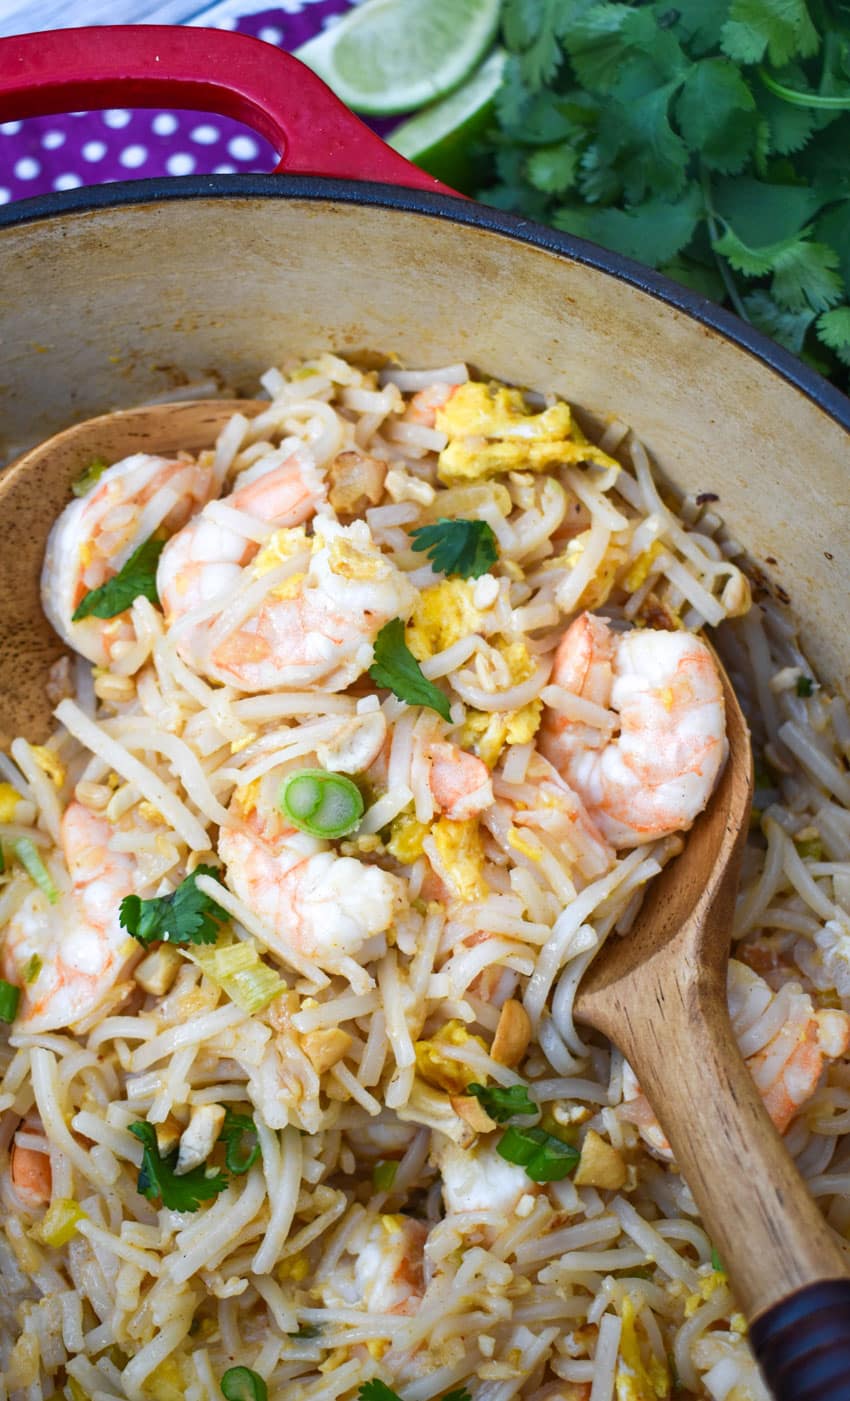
x,y
716,1262
240,972
805,685
33,969
242,1384
544,1157
87,479
306,1331
810,849
322,804
239,1156
383,1175
27,854
10,996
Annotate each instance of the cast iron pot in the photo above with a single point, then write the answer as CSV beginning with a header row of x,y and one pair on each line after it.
x,y
108,296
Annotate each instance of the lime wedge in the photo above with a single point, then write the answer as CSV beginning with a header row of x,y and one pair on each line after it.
x,y
441,138
390,56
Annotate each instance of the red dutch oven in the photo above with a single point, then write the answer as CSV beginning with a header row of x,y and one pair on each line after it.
x,y
111,295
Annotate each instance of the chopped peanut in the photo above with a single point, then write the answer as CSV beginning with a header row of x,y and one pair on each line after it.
x,y
600,1164
323,1048
168,1135
198,1140
513,1034
472,1111
157,970
357,482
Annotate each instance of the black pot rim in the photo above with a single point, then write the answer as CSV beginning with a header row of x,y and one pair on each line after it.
x,y
89,199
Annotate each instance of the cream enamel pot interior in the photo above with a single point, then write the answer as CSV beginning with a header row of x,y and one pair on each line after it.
x,y
109,296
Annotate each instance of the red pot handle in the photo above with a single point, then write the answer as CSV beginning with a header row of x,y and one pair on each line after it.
x,y
208,70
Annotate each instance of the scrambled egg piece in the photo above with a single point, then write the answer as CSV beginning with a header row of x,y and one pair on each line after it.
x,y
406,838
9,799
349,561
439,1069
442,616
707,1286
281,546
461,856
489,731
245,797
49,763
166,1382
636,1382
491,429
639,571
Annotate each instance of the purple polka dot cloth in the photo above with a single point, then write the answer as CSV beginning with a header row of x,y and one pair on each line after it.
x,y
42,154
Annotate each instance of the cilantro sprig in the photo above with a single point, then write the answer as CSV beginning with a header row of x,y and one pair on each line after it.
x,y
159,1182
503,1102
464,548
396,668
136,577
707,138
187,916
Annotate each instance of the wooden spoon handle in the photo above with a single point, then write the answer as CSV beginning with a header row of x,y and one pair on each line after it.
x,y
803,1343
771,1236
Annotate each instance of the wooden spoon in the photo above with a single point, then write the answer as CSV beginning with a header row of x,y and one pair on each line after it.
x,y
33,491
660,995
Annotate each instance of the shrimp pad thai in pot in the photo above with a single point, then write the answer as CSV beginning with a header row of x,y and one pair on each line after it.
x,y
376,720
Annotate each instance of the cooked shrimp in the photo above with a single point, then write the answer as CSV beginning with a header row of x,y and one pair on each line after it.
x,y
460,784
479,1185
422,408
96,535
658,773
67,957
322,630
318,904
204,561
389,1271
30,1170
785,1041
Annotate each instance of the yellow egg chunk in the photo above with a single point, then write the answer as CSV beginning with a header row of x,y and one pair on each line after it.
x,y
9,799
406,838
281,545
495,411
461,856
635,1381
442,616
439,1069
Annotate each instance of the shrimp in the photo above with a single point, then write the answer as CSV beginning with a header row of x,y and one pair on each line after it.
x,y
460,784
389,1269
785,1041
30,1170
96,535
204,561
658,773
422,408
477,1180
67,957
319,905
321,631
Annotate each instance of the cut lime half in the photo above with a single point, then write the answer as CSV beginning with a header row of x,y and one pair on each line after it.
x,y
390,56
441,139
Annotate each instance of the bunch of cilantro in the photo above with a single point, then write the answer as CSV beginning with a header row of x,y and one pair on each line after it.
x,y
707,138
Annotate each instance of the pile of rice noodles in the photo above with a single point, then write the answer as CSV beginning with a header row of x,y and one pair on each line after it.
x,y
239,1151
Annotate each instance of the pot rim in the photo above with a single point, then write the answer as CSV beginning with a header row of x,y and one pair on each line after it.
x,y
458,210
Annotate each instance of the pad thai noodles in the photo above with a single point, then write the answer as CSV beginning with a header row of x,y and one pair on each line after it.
x,y
375,721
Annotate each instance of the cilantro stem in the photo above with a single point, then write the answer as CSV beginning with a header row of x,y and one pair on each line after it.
x,y
821,102
714,230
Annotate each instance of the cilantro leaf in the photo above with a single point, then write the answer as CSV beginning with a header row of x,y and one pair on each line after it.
x,y
834,330
503,1102
462,547
804,274
635,129
376,1390
715,111
136,577
553,169
781,29
789,328
158,1180
653,233
544,1157
396,668
238,1157
187,916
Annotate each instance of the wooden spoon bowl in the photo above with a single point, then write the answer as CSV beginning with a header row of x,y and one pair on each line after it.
x,y
659,994
33,492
